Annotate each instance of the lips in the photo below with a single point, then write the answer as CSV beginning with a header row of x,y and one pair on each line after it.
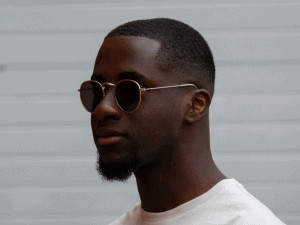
x,y
110,140
108,136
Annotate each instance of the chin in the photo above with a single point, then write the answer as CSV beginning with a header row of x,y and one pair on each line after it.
x,y
117,168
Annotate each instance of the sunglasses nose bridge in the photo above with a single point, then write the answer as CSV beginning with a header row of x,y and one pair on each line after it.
x,y
105,87
108,106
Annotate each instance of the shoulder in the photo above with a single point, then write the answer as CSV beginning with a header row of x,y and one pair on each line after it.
x,y
130,217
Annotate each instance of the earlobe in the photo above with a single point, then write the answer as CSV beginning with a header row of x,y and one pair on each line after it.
x,y
199,103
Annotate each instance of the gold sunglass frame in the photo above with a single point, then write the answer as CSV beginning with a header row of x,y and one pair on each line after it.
x,y
140,90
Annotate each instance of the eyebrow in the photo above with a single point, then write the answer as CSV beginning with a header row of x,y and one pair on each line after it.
x,y
133,75
98,77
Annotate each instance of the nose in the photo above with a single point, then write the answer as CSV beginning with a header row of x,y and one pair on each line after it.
x,y
108,107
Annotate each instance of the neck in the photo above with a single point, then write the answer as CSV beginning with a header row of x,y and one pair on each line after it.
x,y
182,176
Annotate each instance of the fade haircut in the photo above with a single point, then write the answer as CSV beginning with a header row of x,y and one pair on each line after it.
x,y
183,50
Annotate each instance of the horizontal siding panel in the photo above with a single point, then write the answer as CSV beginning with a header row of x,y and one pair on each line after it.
x,y
50,109
261,167
211,15
82,200
39,83
255,48
281,197
255,138
224,109
71,171
257,108
49,172
55,50
61,49
208,33
47,141
36,141
272,79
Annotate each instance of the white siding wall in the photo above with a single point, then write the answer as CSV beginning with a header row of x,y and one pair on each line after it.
x,y
47,156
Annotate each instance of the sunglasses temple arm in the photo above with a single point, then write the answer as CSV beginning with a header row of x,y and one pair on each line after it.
x,y
174,86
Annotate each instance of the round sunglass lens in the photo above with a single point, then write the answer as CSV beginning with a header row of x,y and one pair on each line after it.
x,y
128,95
91,94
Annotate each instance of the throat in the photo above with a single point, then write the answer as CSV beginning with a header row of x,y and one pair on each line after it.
x,y
171,188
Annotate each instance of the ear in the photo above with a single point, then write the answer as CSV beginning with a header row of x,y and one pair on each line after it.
x,y
198,105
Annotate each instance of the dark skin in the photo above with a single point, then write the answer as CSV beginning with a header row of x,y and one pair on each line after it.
x,y
169,132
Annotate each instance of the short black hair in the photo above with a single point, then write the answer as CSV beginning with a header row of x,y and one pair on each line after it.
x,y
182,49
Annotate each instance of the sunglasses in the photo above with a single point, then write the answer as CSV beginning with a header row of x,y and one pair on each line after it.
x,y
128,93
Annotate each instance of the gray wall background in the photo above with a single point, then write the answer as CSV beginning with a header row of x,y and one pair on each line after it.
x,y
47,155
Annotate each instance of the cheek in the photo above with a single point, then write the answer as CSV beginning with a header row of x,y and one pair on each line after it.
x,y
157,126
158,120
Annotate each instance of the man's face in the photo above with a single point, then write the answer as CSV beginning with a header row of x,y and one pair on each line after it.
x,y
142,138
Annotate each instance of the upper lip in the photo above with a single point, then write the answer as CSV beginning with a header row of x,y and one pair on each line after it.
x,y
108,132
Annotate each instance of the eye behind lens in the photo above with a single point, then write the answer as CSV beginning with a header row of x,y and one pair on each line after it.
x,y
128,95
90,94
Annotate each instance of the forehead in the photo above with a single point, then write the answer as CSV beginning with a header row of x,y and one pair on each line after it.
x,y
127,54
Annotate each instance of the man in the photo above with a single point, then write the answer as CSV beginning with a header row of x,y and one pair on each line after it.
x,y
149,99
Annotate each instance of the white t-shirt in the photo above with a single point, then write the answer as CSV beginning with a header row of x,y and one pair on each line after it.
x,y
228,202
